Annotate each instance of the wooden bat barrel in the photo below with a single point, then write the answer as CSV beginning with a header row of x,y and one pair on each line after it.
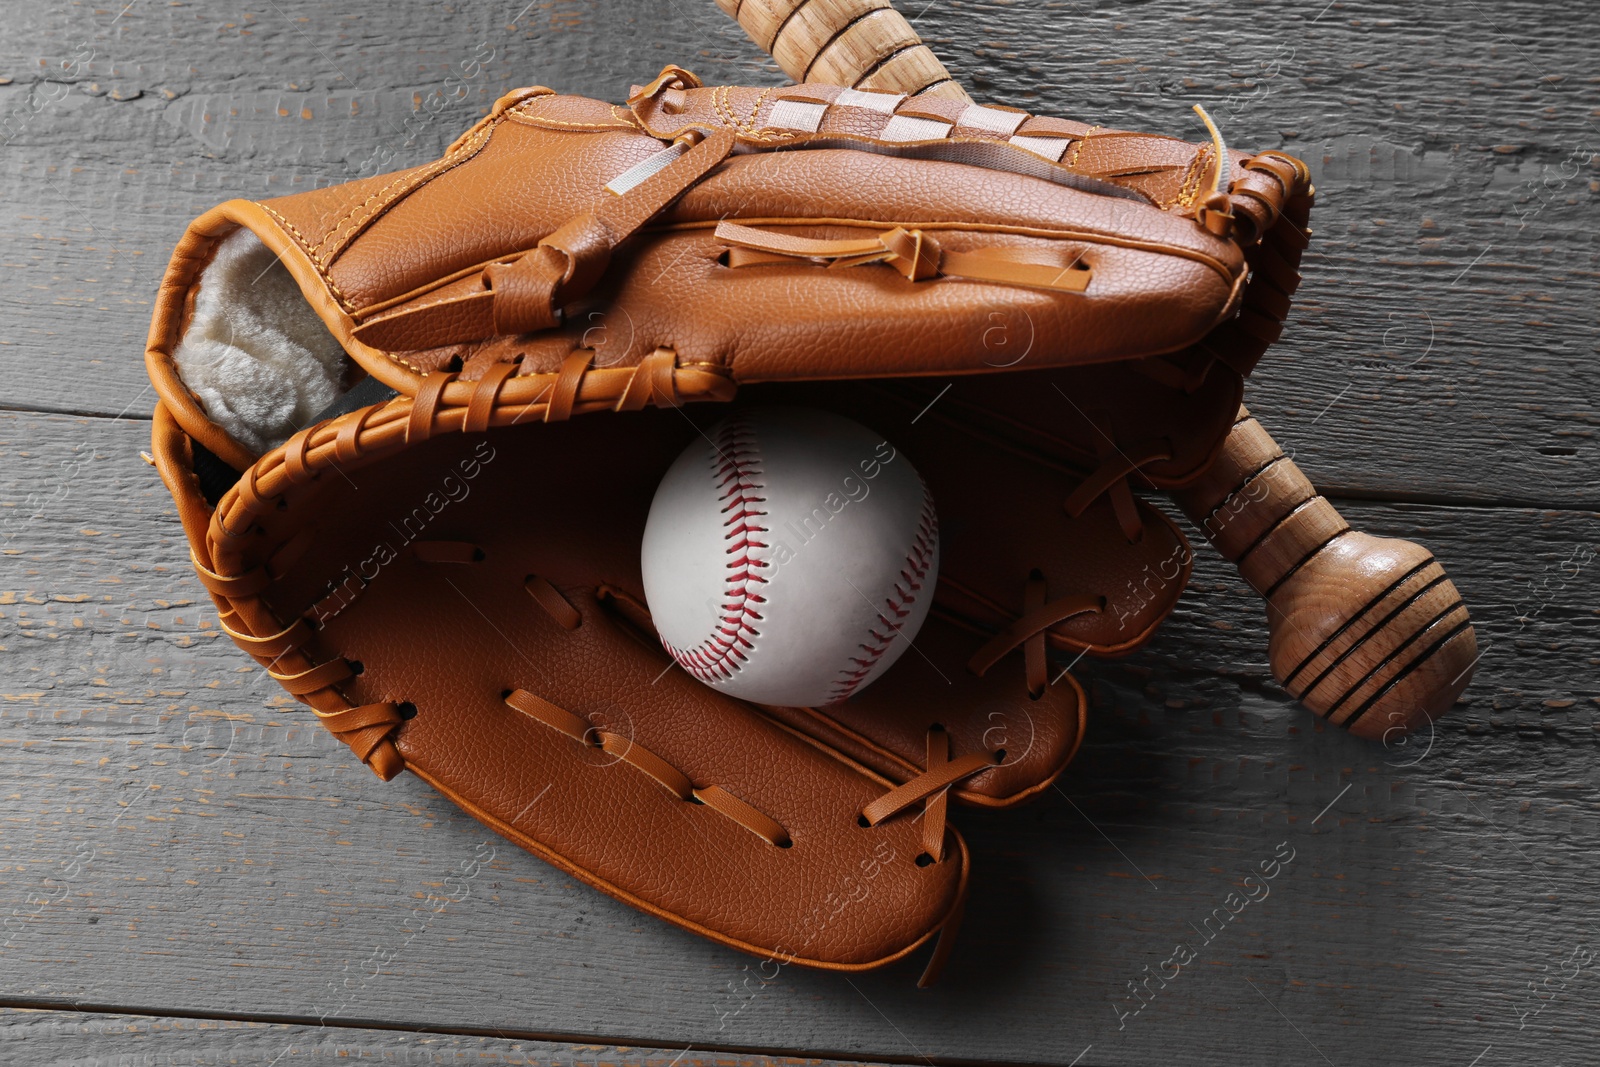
x,y
1367,632
863,44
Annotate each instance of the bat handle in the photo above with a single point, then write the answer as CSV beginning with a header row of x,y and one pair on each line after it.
x,y
860,44
1367,632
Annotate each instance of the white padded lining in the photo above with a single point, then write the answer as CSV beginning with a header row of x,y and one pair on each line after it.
x,y
255,353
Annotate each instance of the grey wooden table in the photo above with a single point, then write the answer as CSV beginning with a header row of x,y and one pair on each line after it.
x,y
192,872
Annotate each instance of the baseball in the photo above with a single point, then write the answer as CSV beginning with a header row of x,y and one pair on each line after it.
x,y
790,556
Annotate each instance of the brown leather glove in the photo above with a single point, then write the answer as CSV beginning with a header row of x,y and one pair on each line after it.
x,y
445,569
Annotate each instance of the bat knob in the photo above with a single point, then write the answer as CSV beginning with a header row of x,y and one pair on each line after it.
x,y
1370,634
1367,632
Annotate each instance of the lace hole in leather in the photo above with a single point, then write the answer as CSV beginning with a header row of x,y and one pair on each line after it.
x,y
999,755
785,843
356,666
505,694
923,859
861,821
406,709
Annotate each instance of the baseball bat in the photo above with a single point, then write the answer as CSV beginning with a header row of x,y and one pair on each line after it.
x,y
863,44
1366,632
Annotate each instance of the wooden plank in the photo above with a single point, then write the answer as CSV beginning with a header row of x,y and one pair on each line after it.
x,y
178,838
93,1039
1442,346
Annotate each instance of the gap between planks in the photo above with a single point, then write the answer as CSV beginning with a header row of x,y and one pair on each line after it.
x,y
75,1007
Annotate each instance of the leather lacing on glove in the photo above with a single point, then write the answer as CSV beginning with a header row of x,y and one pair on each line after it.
x,y
1111,477
366,726
941,771
913,253
931,788
442,403
1273,256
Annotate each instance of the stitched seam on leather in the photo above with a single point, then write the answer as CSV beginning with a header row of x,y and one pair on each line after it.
x,y
430,287
540,120
414,368
748,125
913,575
466,151
724,109
736,466
305,246
421,307
338,227
420,178
1077,148
1191,179
313,252
775,133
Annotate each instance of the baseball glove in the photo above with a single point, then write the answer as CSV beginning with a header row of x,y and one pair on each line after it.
x,y
367,419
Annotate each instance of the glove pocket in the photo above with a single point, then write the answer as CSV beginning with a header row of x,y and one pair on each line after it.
x,y
445,599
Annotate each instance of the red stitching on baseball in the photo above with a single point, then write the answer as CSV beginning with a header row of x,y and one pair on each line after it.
x,y
736,465
895,608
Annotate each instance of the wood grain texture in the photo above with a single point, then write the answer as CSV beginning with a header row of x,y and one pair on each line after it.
x,y
180,837
1367,632
176,836
1442,346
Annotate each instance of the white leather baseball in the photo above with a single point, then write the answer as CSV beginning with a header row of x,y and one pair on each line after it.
x,y
790,556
